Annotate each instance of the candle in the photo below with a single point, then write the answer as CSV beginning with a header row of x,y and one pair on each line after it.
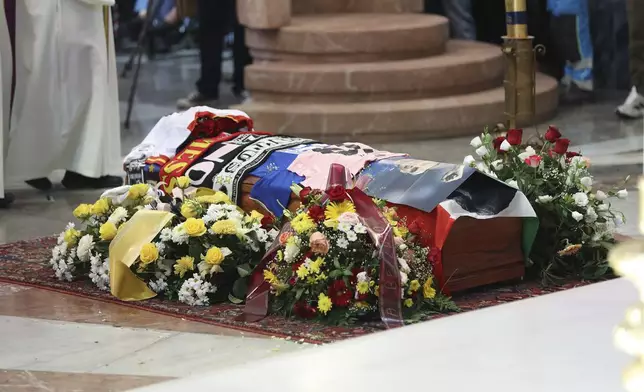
x,y
516,15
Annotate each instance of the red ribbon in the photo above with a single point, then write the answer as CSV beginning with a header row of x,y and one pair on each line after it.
x,y
381,234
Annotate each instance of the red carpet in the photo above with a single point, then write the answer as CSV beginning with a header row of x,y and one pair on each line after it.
x,y
27,263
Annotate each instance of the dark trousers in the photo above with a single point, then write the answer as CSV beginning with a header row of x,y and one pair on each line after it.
x,y
636,45
215,18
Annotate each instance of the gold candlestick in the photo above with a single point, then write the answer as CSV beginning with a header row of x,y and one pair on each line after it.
x,y
521,66
627,260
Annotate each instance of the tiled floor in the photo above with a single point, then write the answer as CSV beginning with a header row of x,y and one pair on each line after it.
x,y
56,342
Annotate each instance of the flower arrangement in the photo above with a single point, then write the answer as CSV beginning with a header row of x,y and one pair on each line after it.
x,y
577,222
205,254
327,265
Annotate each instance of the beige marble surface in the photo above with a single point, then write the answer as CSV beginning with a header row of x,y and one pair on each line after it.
x,y
32,381
374,6
264,14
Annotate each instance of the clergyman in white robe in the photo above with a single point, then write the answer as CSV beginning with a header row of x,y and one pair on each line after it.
x,y
65,113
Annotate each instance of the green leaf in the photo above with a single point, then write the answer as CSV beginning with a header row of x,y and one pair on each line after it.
x,y
298,293
335,274
235,300
244,270
347,273
336,264
240,287
195,249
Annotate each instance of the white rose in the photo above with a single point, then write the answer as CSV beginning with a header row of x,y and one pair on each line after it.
x,y
530,150
577,216
591,215
469,160
587,182
601,196
498,164
602,207
482,167
544,199
482,151
476,142
505,146
513,183
623,194
581,199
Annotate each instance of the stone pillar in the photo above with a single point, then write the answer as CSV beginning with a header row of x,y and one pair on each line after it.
x,y
257,14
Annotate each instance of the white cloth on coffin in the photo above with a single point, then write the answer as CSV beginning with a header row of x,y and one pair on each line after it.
x,y
65,113
6,74
170,131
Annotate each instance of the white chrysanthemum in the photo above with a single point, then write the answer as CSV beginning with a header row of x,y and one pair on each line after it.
x,y
262,235
159,284
100,272
119,215
352,236
179,235
292,249
581,199
342,242
577,216
360,228
544,199
64,267
194,291
273,234
160,247
85,246
404,267
166,235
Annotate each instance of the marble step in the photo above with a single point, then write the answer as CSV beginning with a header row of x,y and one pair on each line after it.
x,y
396,120
341,6
348,38
465,67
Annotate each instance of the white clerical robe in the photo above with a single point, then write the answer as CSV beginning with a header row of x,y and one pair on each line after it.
x,y
65,113
6,72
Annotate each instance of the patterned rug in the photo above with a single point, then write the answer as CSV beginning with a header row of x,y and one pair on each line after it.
x,y
27,263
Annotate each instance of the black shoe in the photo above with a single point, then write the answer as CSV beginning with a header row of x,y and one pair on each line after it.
x,y
196,99
42,184
77,181
7,200
574,95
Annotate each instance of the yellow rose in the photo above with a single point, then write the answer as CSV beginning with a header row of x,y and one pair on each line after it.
x,y
183,182
429,291
184,265
72,236
188,210
149,254
214,256
108,231
225,227
83,211
101,207
218,198
195,227
137,191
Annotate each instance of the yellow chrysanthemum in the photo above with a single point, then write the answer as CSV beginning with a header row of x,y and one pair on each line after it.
x,y
225,227
302,272
183,182
270,278
363,287
414,285
334,210
183,265
315,266
214,256
108,231
83,211
324,303
428,289
149,254
195,227
101,207
409,302
72,236
138,191
218,198
400,231
302,223
280,255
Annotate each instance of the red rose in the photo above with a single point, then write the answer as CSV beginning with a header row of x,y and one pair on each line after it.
x,y
304,194
267,221
572,154
316,213
514,136
413,227
292,280
435,256
304,310
561,146
497,143
552,134
340,294
337,193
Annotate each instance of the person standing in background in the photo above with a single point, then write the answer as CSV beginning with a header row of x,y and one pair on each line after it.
x,y
461,19
214,17
65,107
570,24
633,107
6,79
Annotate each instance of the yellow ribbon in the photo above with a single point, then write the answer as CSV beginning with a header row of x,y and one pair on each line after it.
x,y
125,249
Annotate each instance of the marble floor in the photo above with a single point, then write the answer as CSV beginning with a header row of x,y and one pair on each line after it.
x,y
56,342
